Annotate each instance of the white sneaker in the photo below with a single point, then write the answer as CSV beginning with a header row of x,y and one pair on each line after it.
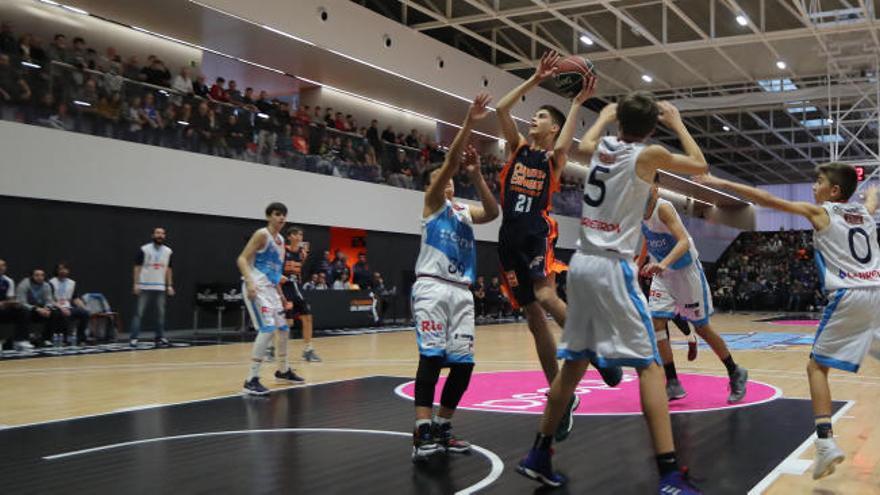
x,y
23,345
133,342
828,455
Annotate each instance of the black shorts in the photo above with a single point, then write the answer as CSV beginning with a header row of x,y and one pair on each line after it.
x,y
526,250
296,304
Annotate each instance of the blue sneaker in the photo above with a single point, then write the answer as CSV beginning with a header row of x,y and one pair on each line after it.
x,y
254,387
677,483
611,375
567,422
538,466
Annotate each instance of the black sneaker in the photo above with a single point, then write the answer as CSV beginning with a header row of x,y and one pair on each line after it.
x,y
289,376
567,422
424,445
738,382
444,438
254,387
163,342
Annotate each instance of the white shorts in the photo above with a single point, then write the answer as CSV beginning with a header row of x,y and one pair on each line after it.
x,y
444,317
849,324
607,320
684,292
266,310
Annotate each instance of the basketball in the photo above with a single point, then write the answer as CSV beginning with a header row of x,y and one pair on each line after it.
x,y
571,74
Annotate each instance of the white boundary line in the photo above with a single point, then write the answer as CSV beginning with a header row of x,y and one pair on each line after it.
x,y
777,393
193,401
795,455
494,460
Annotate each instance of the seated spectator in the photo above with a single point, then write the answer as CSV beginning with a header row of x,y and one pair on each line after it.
x,y
14,90
35,296
182,84
152,120
234,140
362,274
317,116
494,299
7,39
64,289
58,49
312,283
322,282
342,282
247,100
218,92
388,135
479,290
11,311
412,139
401,171
339,122
200,89
300,143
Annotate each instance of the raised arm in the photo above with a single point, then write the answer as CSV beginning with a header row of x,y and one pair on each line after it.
x,y
682,243
814,213
657,157
546,68
434,196
566,135
488,211
256,242
591,138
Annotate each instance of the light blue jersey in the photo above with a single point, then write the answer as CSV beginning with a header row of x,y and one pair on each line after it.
x,y
660,240
269,261
448,249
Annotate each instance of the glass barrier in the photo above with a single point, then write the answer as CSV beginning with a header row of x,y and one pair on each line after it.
x,y
108,104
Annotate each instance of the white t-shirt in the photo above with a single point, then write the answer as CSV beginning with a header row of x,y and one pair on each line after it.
x,y
64,290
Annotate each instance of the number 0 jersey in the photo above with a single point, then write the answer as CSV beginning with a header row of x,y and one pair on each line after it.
x,y
527,185
448,249
614,200
846,250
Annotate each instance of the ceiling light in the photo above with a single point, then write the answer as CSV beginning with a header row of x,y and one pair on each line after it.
x,y
781,64
830,120
586,40
742,20
51,2
726,128
647,78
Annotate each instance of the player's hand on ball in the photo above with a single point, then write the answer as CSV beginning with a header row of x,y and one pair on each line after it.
x,y
652,269
547,65
588,91
479,107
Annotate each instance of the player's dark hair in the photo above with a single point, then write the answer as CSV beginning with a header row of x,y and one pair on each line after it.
x,y
276,206
841,175
293,230
637,114
556,115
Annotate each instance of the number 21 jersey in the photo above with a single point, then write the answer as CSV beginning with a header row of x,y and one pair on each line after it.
x,y
614,200
527,185
846,250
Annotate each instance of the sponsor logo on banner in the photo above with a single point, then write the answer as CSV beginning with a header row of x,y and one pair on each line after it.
x,y
358,305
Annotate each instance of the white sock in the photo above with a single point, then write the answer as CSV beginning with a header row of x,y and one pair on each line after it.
x,y
440,420
255,370
261,343
308,347
420,422
283,364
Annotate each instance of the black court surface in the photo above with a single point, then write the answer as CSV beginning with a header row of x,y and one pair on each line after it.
x,y
354,437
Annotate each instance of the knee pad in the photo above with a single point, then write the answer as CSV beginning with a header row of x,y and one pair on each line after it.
x,y
426,380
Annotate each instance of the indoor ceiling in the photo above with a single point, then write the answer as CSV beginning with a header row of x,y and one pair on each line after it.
x,y
770,88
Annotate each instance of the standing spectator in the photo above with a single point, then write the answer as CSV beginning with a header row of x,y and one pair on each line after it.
x,y
412,139
494,299
233,95
401,171
388,135
7,39
339,122
131,69
300,144
362,273
338,265
135,119
11,311
58,49
183,85
78,55
329,121
64,289
373,135
35,296
317,119
218,93
152,282
201,129
199,88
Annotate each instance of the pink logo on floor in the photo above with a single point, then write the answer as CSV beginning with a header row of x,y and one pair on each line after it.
x,y
524,392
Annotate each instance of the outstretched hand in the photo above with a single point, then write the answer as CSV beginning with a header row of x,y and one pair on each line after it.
x,y
479,107
669,115
547,65
471,160
588,90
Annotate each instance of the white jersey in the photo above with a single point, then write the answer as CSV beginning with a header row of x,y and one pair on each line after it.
x,y
614,200
269,261
64,290
661,242
448,249
155,260
847,253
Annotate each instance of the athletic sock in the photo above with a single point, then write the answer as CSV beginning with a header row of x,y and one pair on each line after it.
x,y
420,422
823,427
255,370
543,442
729,364
308,347
670,371
667,463
438,420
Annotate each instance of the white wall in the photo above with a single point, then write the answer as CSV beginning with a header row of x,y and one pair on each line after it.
x,y
64,166
770,220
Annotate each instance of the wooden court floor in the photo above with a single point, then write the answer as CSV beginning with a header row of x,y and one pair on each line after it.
x,y
44,389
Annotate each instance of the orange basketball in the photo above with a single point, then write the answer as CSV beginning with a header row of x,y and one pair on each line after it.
x,y
572,73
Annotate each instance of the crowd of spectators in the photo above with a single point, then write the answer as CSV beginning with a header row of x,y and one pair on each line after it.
x,y
768,271
76,88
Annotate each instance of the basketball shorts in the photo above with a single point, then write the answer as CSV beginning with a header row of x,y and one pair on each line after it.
x,y
444,317
684,292
848,326
296,305
607,320
266,310
527,252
